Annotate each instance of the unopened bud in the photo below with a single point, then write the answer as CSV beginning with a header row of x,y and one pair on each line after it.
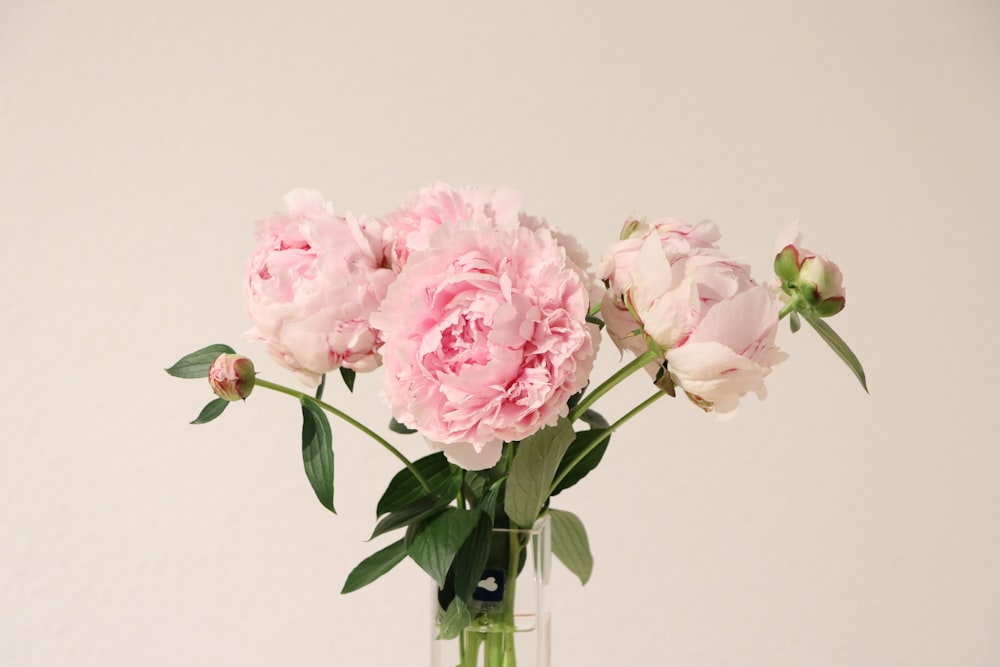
x,y
231,377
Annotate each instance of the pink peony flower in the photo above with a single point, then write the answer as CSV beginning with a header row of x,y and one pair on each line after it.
x,y
667,280
730,353
312,284
409,228
669,275
231,376
485,338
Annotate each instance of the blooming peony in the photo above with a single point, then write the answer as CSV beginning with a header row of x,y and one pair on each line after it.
x,y
485,338
408,229
312,284
670,285
730,352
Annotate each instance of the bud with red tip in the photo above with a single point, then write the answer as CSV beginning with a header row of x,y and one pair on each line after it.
x,y
231,377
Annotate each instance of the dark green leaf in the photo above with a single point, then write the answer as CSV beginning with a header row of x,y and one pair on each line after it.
x,y
596,320
570,544
435,547
454,620
838,345
594,419
471,558
196,364
794,323
211,411
396,427
586,451
422,508
321,387
348,375
317,452
375,566
532,471
405,488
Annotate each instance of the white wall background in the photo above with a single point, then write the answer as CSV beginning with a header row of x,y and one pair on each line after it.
x,y
139,142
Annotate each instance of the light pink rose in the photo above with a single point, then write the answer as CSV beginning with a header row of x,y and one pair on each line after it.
x,y
312,284
730,353
485,338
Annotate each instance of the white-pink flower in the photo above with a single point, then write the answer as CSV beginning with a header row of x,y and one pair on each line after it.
x,y
730,353
312,284
669,286
485,338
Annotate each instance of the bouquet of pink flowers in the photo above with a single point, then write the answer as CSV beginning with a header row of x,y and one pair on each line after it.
x,y
486,322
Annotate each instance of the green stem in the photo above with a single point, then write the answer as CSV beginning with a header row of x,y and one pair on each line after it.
x,y
612,382
514,559
350,420
792,305
604,436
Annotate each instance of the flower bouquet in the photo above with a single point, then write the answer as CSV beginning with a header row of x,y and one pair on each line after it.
x,y
485,322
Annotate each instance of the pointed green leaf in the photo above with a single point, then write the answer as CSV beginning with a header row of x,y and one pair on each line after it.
x,y
405,488
570,544
585,452
420,509
435,547
532,471
196,364
348,375
838,345
794,323
375,566
317,452
471,558
455,619
211,411
396,427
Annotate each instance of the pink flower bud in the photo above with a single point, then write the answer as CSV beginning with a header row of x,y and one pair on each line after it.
x,y
825,277
818,280
231,377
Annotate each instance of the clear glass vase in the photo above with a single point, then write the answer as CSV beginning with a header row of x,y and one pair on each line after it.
x,y
510,614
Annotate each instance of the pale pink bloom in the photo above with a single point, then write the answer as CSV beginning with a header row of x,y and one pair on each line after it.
x,y
311,285
670,286
730,353
231,376
408,229
485,338
668,275
675,236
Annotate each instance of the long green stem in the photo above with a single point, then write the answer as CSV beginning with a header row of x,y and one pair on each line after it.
x,y
604,436
612,382
350,420
513,560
